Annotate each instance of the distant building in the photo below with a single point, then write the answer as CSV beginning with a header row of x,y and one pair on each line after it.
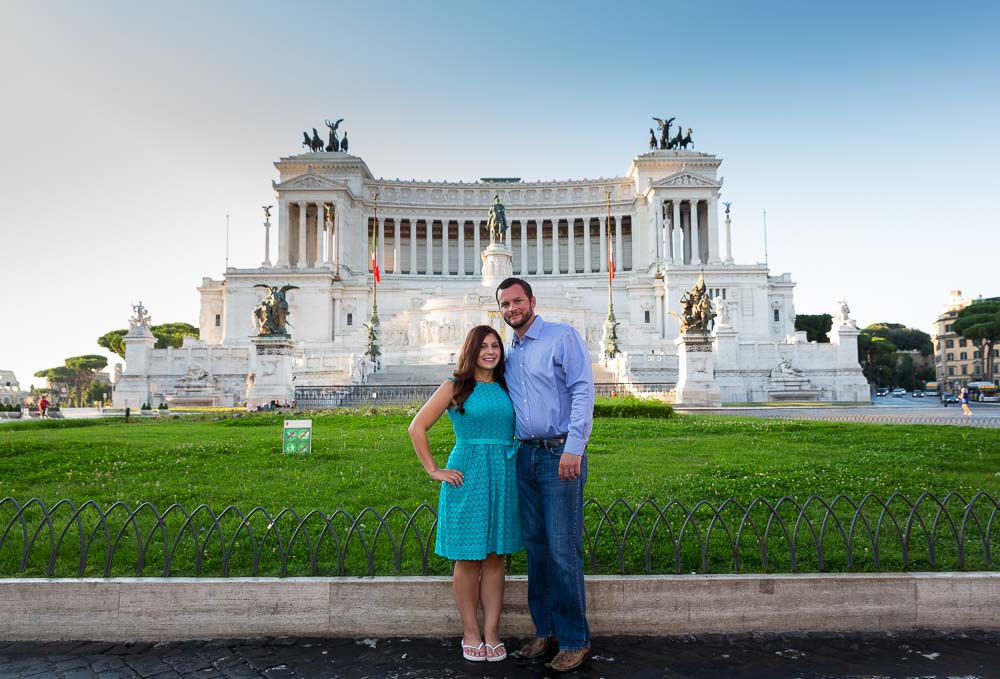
x,y
956,359
10,390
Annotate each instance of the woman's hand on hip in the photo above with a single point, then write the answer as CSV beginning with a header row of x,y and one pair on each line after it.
x,y
452,476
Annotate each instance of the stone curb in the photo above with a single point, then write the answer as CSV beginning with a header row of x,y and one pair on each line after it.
x,y
162,609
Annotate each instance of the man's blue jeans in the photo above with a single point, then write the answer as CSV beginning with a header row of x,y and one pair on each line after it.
x,y
552,529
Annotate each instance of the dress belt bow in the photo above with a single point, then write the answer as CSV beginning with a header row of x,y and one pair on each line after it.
x,y
511,445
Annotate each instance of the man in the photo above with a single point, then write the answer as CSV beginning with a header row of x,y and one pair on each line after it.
x,y
43,407
551,383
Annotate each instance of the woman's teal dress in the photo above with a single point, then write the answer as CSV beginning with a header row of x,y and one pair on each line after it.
x,y
481,516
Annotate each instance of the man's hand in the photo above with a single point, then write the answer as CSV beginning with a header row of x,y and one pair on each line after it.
x,y
569,466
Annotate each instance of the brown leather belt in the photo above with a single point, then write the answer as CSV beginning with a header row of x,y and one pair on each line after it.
x,y
545,443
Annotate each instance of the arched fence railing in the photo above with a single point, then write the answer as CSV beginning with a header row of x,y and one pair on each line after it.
x,y
895,533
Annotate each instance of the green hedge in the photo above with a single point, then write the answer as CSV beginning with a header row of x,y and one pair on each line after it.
x,y
630,406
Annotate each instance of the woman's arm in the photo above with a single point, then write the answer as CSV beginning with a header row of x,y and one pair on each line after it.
x,y
422,422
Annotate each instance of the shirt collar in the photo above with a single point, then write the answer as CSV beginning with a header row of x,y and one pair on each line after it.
x,y
534,331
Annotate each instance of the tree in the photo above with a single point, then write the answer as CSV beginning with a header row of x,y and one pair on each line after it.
x,y
905,339
877,356
816,326
166,334
77,374
980,322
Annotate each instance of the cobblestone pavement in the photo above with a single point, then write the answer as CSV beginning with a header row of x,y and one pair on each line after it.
x,y
806,656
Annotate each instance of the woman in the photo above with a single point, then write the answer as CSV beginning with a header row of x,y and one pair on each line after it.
x,y
478,519
964,398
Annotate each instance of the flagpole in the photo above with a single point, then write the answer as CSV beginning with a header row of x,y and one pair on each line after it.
x,y
373,351
610,323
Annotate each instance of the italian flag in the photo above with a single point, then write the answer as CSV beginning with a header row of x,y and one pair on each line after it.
x,y
611,255
375,271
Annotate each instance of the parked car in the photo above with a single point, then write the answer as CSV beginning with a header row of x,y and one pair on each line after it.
x,y
882,391
948,398
917,394
899,392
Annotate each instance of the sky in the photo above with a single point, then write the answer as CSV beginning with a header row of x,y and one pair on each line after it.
x,y
128,131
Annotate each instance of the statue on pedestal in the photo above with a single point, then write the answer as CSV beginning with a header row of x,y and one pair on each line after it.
x,y
272,314
697,313
334,144
142,319
497,220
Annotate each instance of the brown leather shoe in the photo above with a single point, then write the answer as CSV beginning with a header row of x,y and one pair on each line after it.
x,y
536,648
567,660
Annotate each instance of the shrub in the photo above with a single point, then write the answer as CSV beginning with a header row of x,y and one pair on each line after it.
x,y
162,406
630,406
146,406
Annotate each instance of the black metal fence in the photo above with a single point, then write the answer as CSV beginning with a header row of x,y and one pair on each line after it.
x,y
362,395
813,535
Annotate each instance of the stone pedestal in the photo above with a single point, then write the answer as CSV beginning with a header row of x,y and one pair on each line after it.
x,y
696,384
132,389
270,377
498,264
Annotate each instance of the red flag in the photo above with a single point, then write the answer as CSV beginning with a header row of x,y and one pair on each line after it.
x,y
375,271
611,258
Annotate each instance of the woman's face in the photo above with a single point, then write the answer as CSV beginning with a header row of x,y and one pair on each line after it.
x,y
489,353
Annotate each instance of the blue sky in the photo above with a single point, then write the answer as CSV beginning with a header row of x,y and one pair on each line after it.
x,y
128,130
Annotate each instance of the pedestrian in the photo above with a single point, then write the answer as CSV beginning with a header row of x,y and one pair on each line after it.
x,y
478,518
551,384
43,407
965,402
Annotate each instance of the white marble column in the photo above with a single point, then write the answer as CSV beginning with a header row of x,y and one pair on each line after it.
x,y
555,246
430,246
619,259
571,244
267,244
461,247
318,237
336,317
658,230
302,236
284,220
604,244
586,245
675,210
524,247
509,237
695,236
329,235
413,247
477,260
339,224
539,248
658,312
395,246
729,240
445,222
380,244
713,231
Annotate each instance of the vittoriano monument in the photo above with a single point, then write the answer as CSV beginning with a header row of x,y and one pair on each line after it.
x,y
696,385
441,247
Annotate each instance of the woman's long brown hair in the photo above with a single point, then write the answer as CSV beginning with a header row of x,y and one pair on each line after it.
x,y
465,376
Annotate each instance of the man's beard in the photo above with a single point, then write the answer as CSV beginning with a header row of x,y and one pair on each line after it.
x,y
525,319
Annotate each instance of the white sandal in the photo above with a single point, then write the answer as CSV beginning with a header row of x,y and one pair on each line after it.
x,y
470,657
496,657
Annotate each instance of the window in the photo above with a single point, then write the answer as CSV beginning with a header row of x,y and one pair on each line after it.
x,y
996,353
996,368
975,354
776,318
965,370
962,343
723,293
947,328
964,356
951,370
951,356
350,319
647,316
218,320
950,344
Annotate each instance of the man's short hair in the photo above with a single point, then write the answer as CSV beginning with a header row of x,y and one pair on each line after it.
x,y
511,282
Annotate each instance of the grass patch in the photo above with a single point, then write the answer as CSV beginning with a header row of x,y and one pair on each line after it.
x,y
364,459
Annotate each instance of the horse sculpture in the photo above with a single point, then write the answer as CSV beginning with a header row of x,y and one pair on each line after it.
x,y
306,141
686,139
317,143
272,314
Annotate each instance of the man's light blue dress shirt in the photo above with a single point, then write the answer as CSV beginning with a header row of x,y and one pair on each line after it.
x,y
551,383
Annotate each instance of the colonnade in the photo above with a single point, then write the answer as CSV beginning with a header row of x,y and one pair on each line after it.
x,y
306,238
545,246
690,231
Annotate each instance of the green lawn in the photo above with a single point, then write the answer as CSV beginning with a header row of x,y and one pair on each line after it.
x,y
365,460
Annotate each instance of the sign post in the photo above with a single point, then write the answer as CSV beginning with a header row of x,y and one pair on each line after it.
x,y
297,437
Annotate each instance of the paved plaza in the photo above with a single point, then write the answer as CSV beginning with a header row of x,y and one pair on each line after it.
x,y
960,655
